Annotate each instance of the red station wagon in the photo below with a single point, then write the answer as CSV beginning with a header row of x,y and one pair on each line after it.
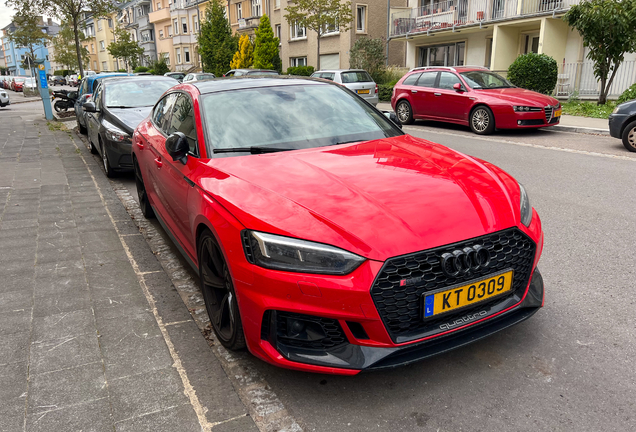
x,y
471,96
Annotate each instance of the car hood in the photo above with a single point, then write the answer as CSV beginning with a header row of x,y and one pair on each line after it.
x,y
128,118
378,199
521,96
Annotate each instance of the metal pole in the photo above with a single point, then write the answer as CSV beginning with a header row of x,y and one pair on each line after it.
x,y
388,30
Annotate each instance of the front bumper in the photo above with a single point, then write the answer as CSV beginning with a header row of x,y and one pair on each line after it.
x,y
119,154
616,123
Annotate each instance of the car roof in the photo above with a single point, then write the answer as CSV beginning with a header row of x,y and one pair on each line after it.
x,y
139,78
245,82
451,68
340,70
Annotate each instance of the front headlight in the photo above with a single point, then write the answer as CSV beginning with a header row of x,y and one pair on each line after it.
x,y
616,109
526,208
113,133
289,254
525,108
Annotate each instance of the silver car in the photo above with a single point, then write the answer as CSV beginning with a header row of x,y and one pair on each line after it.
x,y
4,99
357,80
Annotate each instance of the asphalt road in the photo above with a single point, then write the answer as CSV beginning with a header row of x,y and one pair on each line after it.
x,y
568,368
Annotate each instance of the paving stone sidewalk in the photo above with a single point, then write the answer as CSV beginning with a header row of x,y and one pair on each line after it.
x,y
93,336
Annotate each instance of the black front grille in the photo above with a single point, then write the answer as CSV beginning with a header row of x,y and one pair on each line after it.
x,y
334,334
400,307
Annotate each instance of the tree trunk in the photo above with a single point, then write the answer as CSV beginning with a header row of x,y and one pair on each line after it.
x,y
318,53
606,88
77,46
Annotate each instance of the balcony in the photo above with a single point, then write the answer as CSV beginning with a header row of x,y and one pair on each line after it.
x,y
249,23
159,15
184,39
457,13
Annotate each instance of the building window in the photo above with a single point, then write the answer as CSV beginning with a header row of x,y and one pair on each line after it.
x,y
99,24
186,54
239,11
166,57
256,8
330,29
94,64
176,27
442,55
161,34
297,32
361,19
277,31
102,46
277,4
184,25
178,52
110,23
195,19
8,59
158,5
146,36
104,66
298,61
92,49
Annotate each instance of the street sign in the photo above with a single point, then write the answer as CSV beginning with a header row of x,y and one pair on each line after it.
x,y
41,67
43,83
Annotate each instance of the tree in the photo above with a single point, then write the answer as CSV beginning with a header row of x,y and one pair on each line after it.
x,y
71,11
244,57
125,48
368,54
321,16
216,43
28,34
159,66
607,28
265,46
64,47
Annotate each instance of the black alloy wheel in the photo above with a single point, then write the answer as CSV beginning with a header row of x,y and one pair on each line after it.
x,y
108,170
629,137
218,293
404,112
144,204
482,121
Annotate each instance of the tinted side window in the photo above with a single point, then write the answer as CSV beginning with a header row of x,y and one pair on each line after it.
x,y
411,79
85,87
182,120
447,80
97,97
161,114
328,75
427,79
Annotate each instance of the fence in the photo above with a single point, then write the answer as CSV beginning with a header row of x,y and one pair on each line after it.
x,y
579,78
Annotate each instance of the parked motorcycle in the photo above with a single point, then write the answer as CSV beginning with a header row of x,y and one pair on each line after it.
x,y
65,100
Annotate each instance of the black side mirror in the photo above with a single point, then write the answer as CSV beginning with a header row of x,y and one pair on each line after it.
x,y
177,146
391,116
89,107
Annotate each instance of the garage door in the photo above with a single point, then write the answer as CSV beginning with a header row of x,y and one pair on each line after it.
x,y
330,61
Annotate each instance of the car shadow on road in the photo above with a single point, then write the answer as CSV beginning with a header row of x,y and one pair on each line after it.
x,y
449,127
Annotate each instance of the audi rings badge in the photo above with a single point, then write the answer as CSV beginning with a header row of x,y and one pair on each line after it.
x,y
463,261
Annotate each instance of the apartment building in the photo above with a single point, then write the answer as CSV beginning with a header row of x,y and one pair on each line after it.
x,y
493,33
298,46
103,37
15,55
134,16
90,43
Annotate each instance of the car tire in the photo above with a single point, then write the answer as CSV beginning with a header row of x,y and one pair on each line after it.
x,y
93,148
108,170
482,120
218,293
404,112
144,203
629,137
82,130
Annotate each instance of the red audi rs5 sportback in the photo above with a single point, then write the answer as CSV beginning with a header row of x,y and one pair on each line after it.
x,y
471,96
325,238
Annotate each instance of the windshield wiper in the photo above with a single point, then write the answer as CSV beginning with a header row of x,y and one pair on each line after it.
x,y
252,150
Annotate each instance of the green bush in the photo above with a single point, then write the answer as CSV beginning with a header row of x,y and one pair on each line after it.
x,y
64,72
159,66
300,70
140,69
121,70
629,94
385,91
537,72
151,71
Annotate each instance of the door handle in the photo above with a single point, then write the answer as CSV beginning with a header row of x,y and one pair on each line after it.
x,y
140,146
437,94
158,162
413,91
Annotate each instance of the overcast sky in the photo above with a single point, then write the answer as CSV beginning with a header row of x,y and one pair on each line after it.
x,y
5,14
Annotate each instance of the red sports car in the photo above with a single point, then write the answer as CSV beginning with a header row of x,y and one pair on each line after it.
x,y
471,96
326,239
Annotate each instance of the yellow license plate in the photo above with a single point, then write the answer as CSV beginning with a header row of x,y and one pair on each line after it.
x,y
557,113
363,91
466,295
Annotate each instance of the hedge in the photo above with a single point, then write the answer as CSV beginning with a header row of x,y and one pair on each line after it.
x,y
628,94
140,69
300,70
64,72
537,72
385,91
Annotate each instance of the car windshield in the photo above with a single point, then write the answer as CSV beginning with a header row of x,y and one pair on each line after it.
x,y
354,77
485,80
205,76
135,93
306,116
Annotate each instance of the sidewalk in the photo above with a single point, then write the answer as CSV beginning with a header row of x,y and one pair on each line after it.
x,y
93,335
18,97
568,123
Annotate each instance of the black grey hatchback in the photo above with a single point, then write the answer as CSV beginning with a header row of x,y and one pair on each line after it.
x,y
622,124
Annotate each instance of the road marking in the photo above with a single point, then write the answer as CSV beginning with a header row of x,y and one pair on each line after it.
x,y
561,149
